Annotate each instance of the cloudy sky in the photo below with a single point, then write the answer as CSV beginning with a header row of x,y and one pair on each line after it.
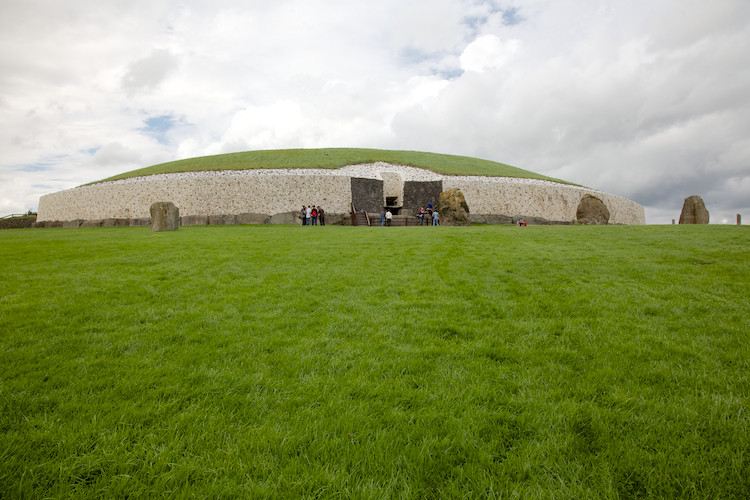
x,y
649,100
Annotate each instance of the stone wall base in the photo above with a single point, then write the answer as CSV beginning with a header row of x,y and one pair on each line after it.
x,y
331,219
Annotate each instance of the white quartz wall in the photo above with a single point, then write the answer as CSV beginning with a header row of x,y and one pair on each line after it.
x,y
535,198
277,191
214,195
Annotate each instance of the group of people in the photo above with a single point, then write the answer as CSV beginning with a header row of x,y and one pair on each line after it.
x,y
430,214
521,223
311,215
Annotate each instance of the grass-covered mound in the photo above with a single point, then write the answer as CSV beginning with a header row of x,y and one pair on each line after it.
x,y
336,158
340,362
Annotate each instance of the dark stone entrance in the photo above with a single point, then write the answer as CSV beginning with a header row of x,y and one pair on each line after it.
x,y
367,194
419,194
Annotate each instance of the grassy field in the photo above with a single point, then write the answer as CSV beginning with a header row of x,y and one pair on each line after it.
x,y
268,361
336,158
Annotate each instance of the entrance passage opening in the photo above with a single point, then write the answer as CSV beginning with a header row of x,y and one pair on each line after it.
x,y
391,203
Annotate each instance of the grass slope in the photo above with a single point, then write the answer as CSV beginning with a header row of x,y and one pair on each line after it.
x,y
235,361
336,158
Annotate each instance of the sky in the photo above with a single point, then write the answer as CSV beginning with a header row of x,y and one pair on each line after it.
x,y
646,100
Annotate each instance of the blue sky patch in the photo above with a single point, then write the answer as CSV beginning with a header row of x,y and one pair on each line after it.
x,y
157,127
511,17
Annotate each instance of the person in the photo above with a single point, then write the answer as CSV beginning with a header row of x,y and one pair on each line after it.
x,y
420,215
308,214
321,216
382,217
388,217
314,216
435,218
303,216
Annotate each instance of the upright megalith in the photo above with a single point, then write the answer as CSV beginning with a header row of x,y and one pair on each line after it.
x,y
592,210
694,211
164,216
453,209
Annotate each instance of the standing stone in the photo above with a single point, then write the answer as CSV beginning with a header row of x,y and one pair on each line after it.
x,y
592,210
453,209
164,216
694,211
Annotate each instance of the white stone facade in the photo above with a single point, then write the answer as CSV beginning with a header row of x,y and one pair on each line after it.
x,y
279,191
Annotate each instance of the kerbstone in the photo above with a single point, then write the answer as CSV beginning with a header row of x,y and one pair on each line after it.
x,y
453,209
592,210
252,218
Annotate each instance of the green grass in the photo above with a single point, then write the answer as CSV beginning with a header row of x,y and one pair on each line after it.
x,y
336,158
267,361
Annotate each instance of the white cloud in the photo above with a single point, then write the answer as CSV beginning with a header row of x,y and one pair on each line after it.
x,y
488,51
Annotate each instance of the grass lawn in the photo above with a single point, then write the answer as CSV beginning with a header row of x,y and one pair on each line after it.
x,y
336,158
268,361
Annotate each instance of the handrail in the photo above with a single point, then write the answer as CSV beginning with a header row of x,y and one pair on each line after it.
x,y
354,216
10,216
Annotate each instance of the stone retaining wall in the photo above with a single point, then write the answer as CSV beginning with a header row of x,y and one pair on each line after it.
x,y
272,195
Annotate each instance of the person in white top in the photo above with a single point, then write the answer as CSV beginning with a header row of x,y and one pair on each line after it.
x,y
388,217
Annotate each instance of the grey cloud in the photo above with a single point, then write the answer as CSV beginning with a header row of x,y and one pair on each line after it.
x,y
149,72
115,153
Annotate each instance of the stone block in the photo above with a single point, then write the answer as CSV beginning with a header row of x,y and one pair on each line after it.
x,y
498,219
286,218
194,220
70,224
222,220
249,218
335,219
141,221
115,222
164,216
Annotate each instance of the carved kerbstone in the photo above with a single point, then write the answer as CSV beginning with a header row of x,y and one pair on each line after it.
x,y
453,209
164,216
592,210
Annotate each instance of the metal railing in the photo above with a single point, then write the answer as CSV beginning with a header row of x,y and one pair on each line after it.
x,y
11,216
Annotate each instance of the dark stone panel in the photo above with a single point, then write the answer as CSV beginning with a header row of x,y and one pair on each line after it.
x,y
367,194
419,194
